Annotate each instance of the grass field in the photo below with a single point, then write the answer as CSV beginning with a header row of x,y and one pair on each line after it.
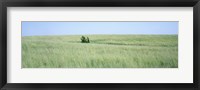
x,y
103,51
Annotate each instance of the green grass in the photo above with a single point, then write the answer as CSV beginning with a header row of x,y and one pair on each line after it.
x,y
103,51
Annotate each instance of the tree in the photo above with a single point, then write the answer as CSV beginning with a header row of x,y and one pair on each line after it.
x,y
85,40
88,40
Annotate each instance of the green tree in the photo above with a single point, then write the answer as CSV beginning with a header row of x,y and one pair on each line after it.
x,y
88,40
83,39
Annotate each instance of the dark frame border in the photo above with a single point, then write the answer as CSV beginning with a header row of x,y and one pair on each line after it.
x,y
98,3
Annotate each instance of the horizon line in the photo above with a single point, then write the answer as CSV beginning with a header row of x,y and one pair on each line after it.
x,y
94,34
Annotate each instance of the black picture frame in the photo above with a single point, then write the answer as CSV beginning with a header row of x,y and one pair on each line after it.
x,y
99,3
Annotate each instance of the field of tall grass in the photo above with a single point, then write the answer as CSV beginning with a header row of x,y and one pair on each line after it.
x,y
103,51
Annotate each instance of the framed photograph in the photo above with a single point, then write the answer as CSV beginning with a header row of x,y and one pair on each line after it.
x,y
99,44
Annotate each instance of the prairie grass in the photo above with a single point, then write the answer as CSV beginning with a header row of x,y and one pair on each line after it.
x,y
103,51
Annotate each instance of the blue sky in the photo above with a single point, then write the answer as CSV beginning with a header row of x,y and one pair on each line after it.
x,y
81,28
